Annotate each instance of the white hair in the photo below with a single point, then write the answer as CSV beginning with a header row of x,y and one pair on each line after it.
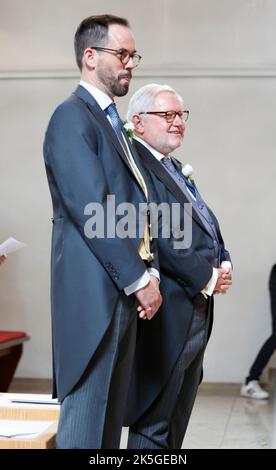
x,y
144,98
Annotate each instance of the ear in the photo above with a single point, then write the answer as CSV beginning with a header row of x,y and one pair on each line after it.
x,y
138,124
89,56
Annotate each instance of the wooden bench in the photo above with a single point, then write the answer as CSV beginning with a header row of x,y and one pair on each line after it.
x,y
11,347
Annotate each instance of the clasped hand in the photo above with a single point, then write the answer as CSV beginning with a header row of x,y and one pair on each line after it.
x,y
149,299
224,281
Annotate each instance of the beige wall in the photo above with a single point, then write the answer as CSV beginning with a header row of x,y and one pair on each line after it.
x,y
220,56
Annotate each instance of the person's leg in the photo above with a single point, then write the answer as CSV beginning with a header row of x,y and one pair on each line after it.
x,y
117,398
85,412
152,430
269,346
185,402
272,293
262,359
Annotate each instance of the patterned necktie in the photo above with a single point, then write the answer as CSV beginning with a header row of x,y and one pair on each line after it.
x,y
168,163
116,122
111,110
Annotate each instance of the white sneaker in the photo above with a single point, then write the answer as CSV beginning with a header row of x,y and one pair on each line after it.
x,y
254,390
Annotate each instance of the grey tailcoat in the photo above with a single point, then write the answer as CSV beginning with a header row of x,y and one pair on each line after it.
x,y
85,163
184,273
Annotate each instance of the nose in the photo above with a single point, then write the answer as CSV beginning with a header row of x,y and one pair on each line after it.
x,y
178,121
130,64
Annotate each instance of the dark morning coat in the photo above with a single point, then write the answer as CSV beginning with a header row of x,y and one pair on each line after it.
x,y
184,273
85,163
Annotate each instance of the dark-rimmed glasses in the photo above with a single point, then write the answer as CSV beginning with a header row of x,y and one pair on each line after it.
x,y
122,54
170,115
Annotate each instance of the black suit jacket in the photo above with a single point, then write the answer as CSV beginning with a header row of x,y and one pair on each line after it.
x,y
184,273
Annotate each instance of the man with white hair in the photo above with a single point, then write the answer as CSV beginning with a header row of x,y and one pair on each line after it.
x,y
170,348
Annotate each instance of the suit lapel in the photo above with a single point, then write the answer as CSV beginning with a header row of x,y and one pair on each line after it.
x,y
195,206
135,155
157,168
191,199
100,116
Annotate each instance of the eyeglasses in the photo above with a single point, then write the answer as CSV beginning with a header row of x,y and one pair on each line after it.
x,y
170,115
123,54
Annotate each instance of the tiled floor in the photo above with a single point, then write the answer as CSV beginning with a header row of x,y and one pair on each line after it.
x,y
221,419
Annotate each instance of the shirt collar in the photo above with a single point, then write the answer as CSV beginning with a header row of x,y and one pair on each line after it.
x,y
159,156
102,98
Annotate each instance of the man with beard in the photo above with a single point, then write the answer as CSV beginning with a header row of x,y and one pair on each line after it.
x,y
99,278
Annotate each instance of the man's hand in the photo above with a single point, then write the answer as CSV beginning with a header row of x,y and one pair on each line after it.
x,y
149,299
224,281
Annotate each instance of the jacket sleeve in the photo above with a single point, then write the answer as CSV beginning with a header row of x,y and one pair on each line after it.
x,y
225,255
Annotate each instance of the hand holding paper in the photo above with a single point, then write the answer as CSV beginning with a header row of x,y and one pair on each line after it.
x,y
10,245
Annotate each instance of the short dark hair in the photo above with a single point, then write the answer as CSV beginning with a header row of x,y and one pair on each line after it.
x,y
93,31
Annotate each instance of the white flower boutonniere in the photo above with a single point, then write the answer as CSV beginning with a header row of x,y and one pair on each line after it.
x,y
129,127
187,171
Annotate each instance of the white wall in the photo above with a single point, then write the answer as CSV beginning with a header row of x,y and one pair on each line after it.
x,y
221,57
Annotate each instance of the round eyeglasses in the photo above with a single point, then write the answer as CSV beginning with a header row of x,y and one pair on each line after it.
x,y
122,54
170,115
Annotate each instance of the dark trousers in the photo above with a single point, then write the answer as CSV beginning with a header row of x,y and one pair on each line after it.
x,y
269,346
164,424
91,416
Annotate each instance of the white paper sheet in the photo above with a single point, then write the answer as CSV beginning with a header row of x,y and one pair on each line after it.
x,y
22,428
36,401
10,245
28,400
